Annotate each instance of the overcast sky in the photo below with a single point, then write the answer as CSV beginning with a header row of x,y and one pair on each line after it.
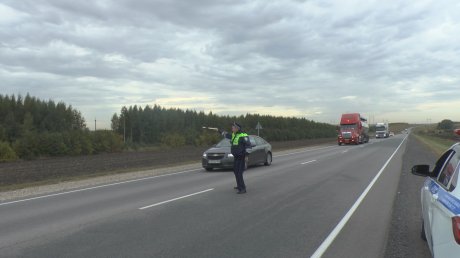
x,y
389,60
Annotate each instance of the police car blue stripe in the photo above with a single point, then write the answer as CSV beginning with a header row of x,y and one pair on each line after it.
x,y
444,197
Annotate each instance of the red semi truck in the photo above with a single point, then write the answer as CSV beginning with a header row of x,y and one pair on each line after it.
x,y
353,129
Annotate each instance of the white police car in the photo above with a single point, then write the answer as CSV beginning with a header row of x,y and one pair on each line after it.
x,y
440,198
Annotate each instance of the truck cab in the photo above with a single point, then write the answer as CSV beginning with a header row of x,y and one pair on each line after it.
x,y
382,130
353,129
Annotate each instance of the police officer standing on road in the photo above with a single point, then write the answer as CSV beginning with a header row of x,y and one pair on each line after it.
x,y
239,140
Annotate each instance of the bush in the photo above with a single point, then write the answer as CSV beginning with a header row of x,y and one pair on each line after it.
x,y
207,139
52,144
27,147
7,153
446,124
173,140
86,144
106,141
79,142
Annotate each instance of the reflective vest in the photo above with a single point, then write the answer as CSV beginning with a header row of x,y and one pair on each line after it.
x,y
236,137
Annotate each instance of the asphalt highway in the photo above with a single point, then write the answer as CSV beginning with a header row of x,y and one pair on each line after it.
x,y
326,201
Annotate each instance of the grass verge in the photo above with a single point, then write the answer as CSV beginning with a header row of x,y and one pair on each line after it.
x,y
436,144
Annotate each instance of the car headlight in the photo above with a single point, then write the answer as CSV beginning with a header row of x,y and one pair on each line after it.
x,y
204,155
230,155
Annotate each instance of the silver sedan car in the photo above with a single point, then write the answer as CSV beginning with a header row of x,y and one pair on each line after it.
x,y
219,156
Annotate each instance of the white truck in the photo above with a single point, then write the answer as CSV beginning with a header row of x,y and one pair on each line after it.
x,y
382,130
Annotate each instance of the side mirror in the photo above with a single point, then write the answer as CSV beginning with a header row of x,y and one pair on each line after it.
x,y
421,170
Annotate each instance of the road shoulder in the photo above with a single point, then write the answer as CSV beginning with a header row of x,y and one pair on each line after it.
x,y
404,234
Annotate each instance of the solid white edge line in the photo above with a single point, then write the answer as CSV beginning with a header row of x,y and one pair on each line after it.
x,y
96,187
330,238
308,162
175,199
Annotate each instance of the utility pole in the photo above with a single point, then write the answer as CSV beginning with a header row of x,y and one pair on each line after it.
x,y
95,124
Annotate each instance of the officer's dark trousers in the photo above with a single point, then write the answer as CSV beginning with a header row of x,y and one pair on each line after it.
x,y
238,169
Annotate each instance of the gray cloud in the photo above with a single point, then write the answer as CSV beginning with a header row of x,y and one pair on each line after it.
x,y
300,57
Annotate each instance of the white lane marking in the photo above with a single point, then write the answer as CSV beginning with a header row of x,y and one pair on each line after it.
x,y
175,199
96,187
345,151
330,238
292,153
308,162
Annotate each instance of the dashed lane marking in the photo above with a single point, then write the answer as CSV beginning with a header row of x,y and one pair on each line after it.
x,y
175,199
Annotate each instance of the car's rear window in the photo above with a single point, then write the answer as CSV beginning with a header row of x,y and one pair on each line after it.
x,y
448,171
454,180
260,141
252,140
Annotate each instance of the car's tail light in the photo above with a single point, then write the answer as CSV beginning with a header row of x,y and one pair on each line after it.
x,y
456,228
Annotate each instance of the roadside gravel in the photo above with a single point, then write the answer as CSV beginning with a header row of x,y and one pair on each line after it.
x,y
90,182
404,236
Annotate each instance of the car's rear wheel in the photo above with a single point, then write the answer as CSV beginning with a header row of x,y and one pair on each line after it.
x,y
208,169
268,159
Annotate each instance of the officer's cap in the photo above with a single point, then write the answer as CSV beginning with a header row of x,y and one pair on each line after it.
x,y
236,125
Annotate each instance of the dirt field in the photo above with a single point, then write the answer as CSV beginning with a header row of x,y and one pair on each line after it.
x,y
19,174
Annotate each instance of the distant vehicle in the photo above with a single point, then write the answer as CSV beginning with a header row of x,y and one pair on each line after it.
x,y
440,199
392,134
382,130
353,129
220,155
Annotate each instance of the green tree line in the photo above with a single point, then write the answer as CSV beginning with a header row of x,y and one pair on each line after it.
x,y
174,127
31,128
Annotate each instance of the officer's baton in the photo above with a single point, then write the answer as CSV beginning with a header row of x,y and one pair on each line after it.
x,y
211,128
